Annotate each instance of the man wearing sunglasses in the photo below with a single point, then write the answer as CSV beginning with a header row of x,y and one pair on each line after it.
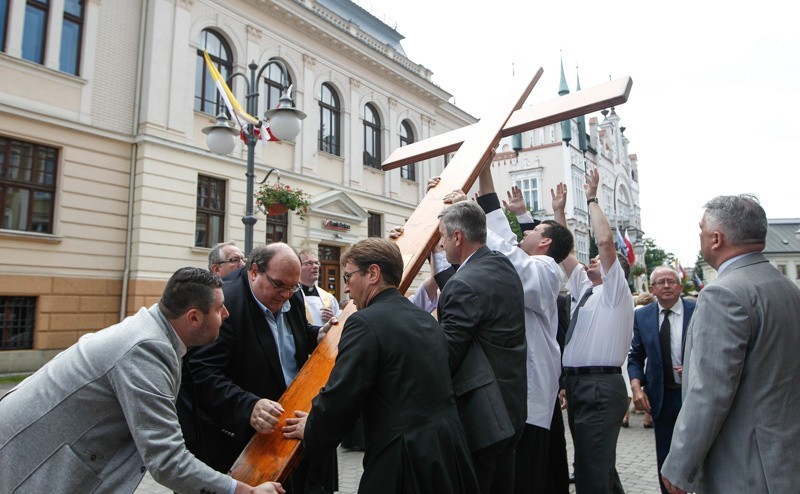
x,y
260,349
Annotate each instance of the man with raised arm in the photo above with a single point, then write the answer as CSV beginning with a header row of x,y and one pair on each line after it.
x,y
536,260
597,344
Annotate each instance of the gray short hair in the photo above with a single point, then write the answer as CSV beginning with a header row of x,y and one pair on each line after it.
x,y
467,217
740,218
664,268
215,256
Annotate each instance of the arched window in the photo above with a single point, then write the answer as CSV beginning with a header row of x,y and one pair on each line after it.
x,y
329,109
275,80
408,172
372,137
206,97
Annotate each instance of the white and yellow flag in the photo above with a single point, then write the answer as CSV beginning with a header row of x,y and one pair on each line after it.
x,y
227,96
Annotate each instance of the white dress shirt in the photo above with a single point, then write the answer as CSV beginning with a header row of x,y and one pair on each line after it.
x,y
675,335
603,332
541,282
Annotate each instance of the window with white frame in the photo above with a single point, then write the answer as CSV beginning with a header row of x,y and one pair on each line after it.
x,y
38,16
577,190
409,172
529,185
206,96
372,137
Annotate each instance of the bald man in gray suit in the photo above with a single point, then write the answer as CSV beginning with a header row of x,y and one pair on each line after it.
x,y
738,430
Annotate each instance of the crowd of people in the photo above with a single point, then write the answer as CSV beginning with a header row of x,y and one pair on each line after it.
x,y
468,401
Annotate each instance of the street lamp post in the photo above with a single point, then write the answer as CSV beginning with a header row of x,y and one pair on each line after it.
x,y
284,124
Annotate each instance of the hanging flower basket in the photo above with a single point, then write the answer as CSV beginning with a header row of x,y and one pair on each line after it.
x,y
277,209
279,198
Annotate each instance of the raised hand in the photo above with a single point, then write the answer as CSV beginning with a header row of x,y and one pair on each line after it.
x,y
592,182
516,203
559,196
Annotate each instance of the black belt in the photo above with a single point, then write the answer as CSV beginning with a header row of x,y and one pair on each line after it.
x,y
592,369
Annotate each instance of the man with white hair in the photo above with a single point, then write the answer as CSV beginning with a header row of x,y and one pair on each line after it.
x,y
656,356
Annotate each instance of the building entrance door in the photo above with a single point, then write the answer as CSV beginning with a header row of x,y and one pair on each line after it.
x,y
329,269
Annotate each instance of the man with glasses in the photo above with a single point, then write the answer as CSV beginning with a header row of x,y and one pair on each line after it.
x,y
320,305
392,368
260,350
656,357
224,258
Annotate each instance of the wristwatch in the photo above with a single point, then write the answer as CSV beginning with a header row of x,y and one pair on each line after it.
x,y
593,199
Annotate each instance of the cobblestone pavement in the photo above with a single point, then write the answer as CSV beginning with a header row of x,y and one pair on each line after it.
x,y
636,463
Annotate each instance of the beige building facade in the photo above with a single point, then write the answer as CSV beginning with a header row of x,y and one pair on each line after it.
x,y
108,185
544,159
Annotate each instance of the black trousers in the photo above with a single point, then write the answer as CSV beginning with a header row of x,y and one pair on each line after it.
x,y
494,466
597,404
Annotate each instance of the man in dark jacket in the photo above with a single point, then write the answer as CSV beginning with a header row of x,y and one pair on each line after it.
x,y
231,388
392,368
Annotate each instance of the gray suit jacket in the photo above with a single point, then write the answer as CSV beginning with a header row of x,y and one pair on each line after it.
x,y
67,428
738,429
481,312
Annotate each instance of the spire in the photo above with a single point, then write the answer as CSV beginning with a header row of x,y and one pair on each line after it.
x,y
563,88
583,145
566,125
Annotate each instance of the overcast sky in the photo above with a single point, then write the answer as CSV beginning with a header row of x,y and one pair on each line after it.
x,y
714,104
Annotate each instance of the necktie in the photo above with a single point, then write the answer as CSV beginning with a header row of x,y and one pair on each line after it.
x,y
666,349
574,319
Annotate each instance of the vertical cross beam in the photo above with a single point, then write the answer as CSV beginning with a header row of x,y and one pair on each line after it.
x,y
271,457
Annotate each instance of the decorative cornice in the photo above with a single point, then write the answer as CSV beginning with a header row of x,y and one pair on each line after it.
x,y
254,33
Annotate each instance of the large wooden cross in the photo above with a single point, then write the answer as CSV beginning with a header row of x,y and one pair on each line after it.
x,y
271,457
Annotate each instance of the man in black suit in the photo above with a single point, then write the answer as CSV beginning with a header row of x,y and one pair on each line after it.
x,y
652,366
261,347
392,369
480,310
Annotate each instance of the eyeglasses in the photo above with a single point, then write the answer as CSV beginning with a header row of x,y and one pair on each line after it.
x,y
346,276
281,287
234,259
668,281
310,263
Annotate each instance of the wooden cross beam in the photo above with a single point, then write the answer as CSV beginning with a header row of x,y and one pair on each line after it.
x,y
271,457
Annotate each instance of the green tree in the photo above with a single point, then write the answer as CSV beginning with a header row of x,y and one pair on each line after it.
x,y
512,221
655,256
